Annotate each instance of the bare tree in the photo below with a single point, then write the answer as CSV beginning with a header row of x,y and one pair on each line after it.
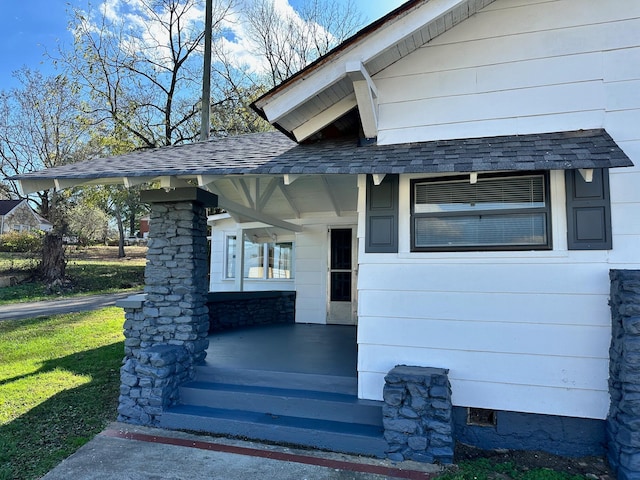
x,y
290,40
41,127
141,64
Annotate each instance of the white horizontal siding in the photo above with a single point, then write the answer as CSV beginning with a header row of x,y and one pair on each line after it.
x,y
488,307
521,331
491,395
491,337
553,66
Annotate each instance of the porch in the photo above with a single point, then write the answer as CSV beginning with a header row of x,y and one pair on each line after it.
x,y
293,384
294,348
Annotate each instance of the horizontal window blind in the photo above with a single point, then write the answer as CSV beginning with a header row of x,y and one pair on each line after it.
x,y
486,194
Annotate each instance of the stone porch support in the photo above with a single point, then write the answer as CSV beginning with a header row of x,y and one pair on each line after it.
x,y
417,414
623,424
166,329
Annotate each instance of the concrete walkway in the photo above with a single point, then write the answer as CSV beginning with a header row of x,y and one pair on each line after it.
x,y
18,311
126,452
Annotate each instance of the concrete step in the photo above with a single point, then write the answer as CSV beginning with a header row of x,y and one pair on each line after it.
x,y
323,434
268,378
283,402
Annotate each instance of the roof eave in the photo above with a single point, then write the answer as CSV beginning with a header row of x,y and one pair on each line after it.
x,y
257,105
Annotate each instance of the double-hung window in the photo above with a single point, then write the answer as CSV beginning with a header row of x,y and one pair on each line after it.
x,y
497,212
262,261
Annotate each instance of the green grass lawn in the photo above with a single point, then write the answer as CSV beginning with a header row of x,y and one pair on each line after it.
x,y
59,382
487,469
90,271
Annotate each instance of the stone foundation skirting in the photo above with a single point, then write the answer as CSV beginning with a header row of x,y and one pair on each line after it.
x,y
229,310
417,414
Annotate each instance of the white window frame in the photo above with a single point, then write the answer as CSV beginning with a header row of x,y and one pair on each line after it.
x,y
265,260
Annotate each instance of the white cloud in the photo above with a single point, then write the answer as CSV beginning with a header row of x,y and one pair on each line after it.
x,y
149,35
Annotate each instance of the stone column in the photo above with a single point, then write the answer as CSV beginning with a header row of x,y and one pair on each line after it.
x,y
166,331
417,414
623,423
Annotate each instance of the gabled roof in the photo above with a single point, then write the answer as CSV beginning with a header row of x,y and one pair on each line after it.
x,y
274,154
340,81
7,205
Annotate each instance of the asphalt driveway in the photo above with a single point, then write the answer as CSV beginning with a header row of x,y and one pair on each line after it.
x,y
18,311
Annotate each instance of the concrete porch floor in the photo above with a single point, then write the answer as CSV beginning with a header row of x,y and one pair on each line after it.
x,y
298,348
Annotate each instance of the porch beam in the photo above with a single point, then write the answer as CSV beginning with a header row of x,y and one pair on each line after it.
x,y
244,189
289,200
366,97
331,196
268,192
236,210
209,182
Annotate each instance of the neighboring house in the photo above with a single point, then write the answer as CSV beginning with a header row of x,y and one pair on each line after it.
x,y
144,226
458,180
17,215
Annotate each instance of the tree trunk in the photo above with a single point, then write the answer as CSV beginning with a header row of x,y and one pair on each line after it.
x,y
121,253
53,265
132,224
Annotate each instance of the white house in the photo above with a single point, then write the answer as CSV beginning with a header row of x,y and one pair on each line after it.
x,y
458,180
17,215
514,304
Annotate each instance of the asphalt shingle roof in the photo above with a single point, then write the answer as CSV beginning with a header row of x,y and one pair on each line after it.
x,y
272,153
7,205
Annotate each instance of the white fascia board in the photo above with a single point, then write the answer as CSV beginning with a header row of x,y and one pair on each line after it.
x,y
28,186
133,181
61,183
172,182
308,86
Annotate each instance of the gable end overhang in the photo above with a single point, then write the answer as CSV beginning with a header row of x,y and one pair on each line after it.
x,y
327,89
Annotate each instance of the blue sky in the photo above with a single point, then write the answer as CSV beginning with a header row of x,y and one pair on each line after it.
x,y
31,27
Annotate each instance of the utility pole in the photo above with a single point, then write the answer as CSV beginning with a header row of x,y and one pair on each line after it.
x,y
206,74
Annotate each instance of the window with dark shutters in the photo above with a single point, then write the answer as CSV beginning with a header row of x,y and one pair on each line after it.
x,y
588,211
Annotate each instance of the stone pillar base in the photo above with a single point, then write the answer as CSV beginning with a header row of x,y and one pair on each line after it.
x,y
417,416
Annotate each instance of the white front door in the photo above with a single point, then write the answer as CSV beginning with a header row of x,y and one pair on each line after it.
x,y
341,291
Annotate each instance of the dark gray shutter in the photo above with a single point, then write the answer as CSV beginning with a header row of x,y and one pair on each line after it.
x,y
382,216
588,211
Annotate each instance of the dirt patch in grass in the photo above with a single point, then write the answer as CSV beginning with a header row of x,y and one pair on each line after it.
x,y
525,462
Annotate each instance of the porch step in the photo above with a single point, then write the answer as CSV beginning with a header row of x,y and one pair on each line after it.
x,y
267,378
312,410
283,402
323,434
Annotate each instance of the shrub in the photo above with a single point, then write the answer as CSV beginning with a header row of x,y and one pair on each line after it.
x,y
24,242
